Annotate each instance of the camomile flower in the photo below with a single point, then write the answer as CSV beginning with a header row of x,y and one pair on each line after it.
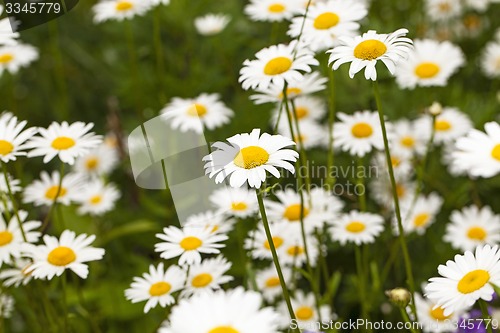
x,y
359,133
258,244
430,63
364,51
478,153
11,236
238,202
293,250
401,164
442,10
419,214
381,190
207,276
97,198
48,188
63,140
449,125
14,184
14,57
277,64
248,156
16,275
272,10
490,60
471,227
479,5
56,255
234,311
99,161
7,36
216,223
188,243
304,307
326,21
432,317
307,108
119,9
357,227
204,111
406,139
211,24
311,134
465,279
13,137
268,282
156,286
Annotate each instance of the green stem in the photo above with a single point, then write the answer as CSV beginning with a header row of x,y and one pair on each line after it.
x,y
362,284
361,183
160,63
59,70
54,203
330,178
406,318
134,72
65,302
486,315
302,151
13,200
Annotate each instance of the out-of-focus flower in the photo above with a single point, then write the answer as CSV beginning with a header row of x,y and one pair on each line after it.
x,y
442,10
211,24
272,10
207,276
490,60
14,57
119,9
357,227
11,236
48,188
97,198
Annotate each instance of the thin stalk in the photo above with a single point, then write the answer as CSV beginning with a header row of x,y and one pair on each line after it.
x,y
160,63
134,72
330,178
59,70
362,284
302,150
486,315
54,203
406,318
361,183
13,200
65,303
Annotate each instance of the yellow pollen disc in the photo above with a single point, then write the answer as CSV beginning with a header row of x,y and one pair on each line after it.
x,y
438,314
159,288
214,229
408,141
239,206
304,313
370,49
277,66
6,147
362,130
123,6
295,250
292,212
400,190
6,58
95,200
5,237
291,92
251,157
326,21
201,280
197,110
495,152
421,219
61,256
277,241
63,143
355,227
442,125
472,22
276,8
477,233
223,329
190,243
91,163
427,70
52,192
273,282
444,7
473,281
395,161
301,112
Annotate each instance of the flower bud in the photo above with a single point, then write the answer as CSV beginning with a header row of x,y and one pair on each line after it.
x,y
436,109
399,296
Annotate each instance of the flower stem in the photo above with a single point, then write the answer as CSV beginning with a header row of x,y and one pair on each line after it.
x,y
65,302
54,203
160,64
361,286
486,315
13,200
330,178
406,318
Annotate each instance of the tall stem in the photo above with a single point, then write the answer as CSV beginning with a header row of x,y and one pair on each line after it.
x,y
13,200
160,64
486,315
362,283
134,71
54,203
62,99
65,302
330,178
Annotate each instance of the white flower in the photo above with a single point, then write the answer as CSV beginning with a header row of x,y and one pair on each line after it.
x,y
216,223
449,125
13,137
268,282
211,24
97,198
46,190
418,215
490,60
381,190
7,36
119,9
258,244
272,10
304,307
14,57
441,10
99,161
407,140
357,227
239,202
307,108
13,183
207,276
312,134
17,275
432,318
11,236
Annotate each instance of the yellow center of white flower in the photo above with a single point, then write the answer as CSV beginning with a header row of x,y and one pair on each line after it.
x,y
197,110
239,206
292,212
251,157
362,130
326,21
370,49
276,8
277,66
61,256
201,280
495,152
442,125
123,6
63,143
295,250
277,241
427,70
159,288
190,243
96,199
51,193
273,282
408,141
5,237
294,92
301,112
355,227
438,314
477,233
6,147
223,329
91,163
473,281
395,161
444,7
6,58
421,219
400,190
304,313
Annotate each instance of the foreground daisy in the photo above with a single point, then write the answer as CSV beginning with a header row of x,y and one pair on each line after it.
x,y
207,276
97,198
14,57
11,237
239,202
156,286
119,9
49,188
247,157
13,137
364,52
57,255
357,227
272,10
466,279
211,24
490,60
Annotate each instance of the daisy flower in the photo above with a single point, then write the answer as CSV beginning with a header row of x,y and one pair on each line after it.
x,y
381,190
304,306
207,276
430,63
449,125
472,227
7,36
97,198
406,139
232,311
441,10
63,140
211,24
156,286
311,134
238,202
401,164
17,275
272,10
307,108
14,57
11,237
99,161
268,282
14,184
479,5
359,133
188,243
419,215
326,21
259,246
248,156
357,227
293,251
46,190
119,9
13,137
490,60
277,64
204,111
56,255
216,223
432,317
364,51
465,279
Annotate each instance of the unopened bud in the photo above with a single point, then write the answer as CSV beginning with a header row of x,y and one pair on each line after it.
x,y
436,109
399,296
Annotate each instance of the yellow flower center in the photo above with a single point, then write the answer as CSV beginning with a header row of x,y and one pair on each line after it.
x,y
304,313
295,250
277,241
201,280
292,212
197,110
427,70
438,314
123,6
277,66
355,227
51,193
395,161
442,125
477,233
473,281
96,199
6,147
370,49
362,130
251,157
63,143
291,92
91,163
421,219
159,288
276,8
272,282
408,141
400,190
223,329
326,21
6,58
495,152
190,243
472,21
444,7
5,237
301,112
239,206
61,256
